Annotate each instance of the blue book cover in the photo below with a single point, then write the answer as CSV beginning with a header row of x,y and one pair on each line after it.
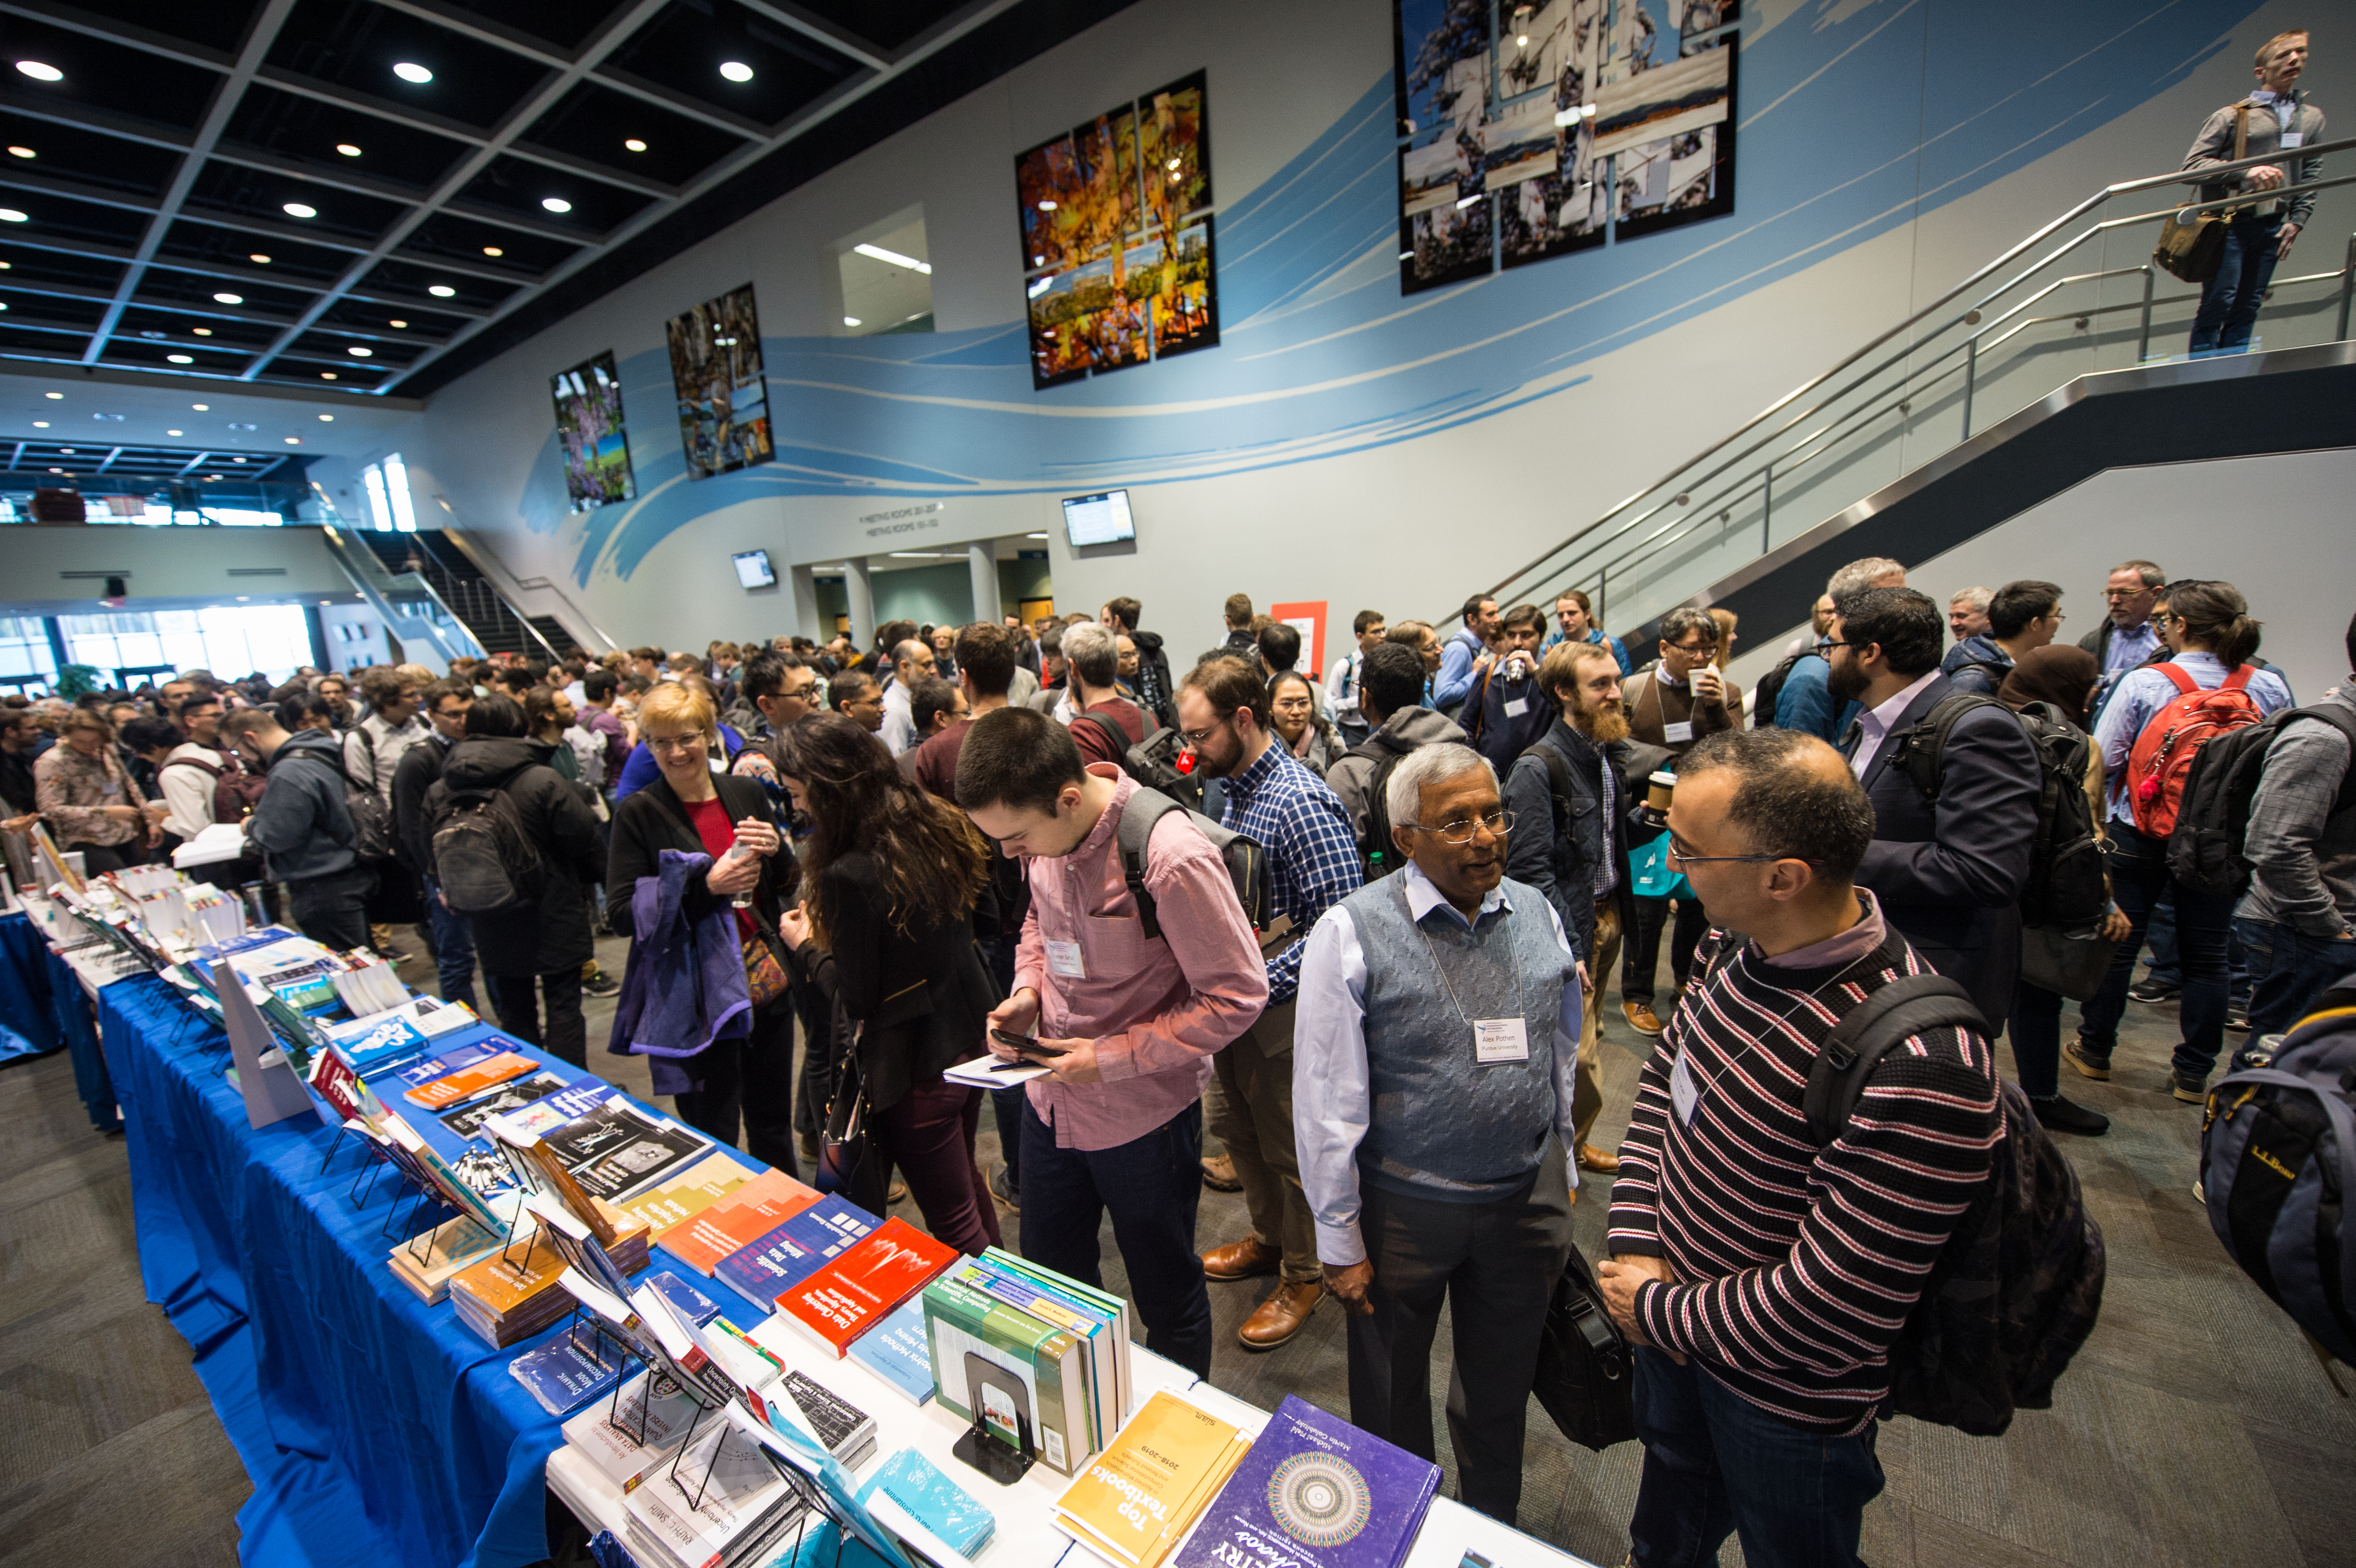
x,y
897,1351
567,1372
790,1254
1315,1492
937,1503
683,1298
419,1073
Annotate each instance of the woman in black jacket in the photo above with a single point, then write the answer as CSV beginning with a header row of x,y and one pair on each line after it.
x,y
694,810
544,945
886,934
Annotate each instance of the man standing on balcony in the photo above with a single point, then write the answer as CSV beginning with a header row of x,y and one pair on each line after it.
x,y
2260,234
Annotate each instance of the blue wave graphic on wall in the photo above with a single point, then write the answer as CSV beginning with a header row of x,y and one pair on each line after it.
x,y
1320,353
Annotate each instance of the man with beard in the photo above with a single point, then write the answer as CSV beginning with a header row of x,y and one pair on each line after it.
x,y
1149,676
1568,795
1313,860
1438,1014
1951,852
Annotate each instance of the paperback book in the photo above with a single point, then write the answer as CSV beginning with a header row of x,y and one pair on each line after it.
x,y
469,1082
848,1431
859,1288
417,1075
723,1229
1022,1372
897,1351
770,1265
427,1263
1317,1492
1134,1501
571,1370
933,1500
674,1202
717,1504
616,1149
628,1438
466,1121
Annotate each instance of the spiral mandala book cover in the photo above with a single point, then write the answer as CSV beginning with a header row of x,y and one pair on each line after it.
x,y
1315,1492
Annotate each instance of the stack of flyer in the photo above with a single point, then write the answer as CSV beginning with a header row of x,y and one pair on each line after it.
x,y
1136,1499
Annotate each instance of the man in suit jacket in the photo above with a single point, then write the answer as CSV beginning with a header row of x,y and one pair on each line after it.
x,y
1948,872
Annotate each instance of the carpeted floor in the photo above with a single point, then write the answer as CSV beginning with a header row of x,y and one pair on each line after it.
x,y
2196,1428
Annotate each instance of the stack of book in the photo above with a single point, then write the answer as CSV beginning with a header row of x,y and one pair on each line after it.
x,y
673,1202
427,1263
629,1438
848,1431
774,1262
1135,1500
1317,1492
513,1293
719,1503
720,1229
862,1284
1064,1343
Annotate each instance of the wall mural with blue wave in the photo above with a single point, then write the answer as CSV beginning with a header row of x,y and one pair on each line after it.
x,y
1857,117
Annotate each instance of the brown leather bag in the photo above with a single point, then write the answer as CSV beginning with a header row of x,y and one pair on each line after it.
x,y
2192,250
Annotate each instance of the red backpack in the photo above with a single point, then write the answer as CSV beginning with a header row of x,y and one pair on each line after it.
x,y
235,792
2162,758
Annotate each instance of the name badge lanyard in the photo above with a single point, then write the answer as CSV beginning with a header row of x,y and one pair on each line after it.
x,y
1480,1033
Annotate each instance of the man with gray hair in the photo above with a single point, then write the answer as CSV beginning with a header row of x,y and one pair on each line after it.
x,y
1104,723
1435,1042
1803,703
2128,637
915,659
1968,613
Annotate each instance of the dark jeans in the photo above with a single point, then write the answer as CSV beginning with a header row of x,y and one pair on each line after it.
x,y
453,948
2036,1029
2229,301
2289,969
928,1134
333,909
810,1009
2159,937
566,1036
1494,1266
97,859
1152,1185
1640,959
753,1076
1716,1465
2139,866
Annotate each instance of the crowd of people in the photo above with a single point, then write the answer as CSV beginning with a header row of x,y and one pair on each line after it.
x,y
1358,927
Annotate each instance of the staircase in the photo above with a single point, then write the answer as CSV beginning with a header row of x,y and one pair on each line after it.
x,y
1893,450
461,586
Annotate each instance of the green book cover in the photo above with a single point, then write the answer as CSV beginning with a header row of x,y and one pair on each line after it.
x,y
961,1320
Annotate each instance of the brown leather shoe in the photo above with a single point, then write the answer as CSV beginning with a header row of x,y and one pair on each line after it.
x,y
1241,1260
1219,1173
1280,1317
1641,1017
1593,1158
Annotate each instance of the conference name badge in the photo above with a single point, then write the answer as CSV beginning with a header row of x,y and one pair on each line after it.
x,y
1064,958
1499,1039
1682,1093
1676,734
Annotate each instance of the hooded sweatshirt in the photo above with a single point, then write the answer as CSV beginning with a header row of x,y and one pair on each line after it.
x,y
1352,775
301,825
1966,665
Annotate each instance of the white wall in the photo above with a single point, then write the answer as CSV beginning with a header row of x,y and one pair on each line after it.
x,y
186,567
1855,119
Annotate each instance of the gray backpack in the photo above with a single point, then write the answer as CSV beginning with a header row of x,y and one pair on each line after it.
x,y
1245,861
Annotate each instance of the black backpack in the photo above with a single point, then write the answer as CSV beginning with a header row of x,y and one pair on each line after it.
x,y
1770,686
1377,856
1245,861
2067,890
2206,852
1153,761
2017,1289
483,859
372,838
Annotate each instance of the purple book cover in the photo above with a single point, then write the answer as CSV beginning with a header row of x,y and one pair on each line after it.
x,y
1315,1492
417,1075
796,1250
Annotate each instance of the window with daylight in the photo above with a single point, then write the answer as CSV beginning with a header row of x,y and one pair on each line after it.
x,y
887,278
230,640
25,649
389,508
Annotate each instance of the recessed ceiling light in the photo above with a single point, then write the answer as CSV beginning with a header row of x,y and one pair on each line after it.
x,y
735,71
22,152
851,321
202,407
294,441
441,291
55,396
229,299
327,374
200,331
357,352
57,471
40,424
410,70
555,203
174,432
326,419
41,71
181,358
396,323
348,149
635,145
259,260
878,253
1034,536
1046,207
298,209
493,250
10,215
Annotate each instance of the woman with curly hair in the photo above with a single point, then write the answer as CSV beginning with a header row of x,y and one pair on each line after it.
x,y
886,932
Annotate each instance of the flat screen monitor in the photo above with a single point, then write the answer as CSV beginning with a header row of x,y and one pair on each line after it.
x,y
1098,519
753,569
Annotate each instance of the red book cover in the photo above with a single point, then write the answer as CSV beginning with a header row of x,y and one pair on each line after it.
x,y
862,1287
737,1221
337,1084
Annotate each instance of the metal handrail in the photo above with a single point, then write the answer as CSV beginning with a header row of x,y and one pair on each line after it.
x,y
383,587
479,552
1970,317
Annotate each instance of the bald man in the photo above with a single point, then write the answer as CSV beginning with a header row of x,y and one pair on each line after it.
x,y
916,663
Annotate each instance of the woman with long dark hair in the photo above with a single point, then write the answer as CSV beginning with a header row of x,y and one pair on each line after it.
x,y
2208,629
886,932
1299,728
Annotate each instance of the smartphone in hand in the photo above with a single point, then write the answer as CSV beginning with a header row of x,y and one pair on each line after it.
x,y
1027,1043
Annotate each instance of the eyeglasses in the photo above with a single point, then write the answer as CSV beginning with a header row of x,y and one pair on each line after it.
x,y
1683,858
674,742
1195,738
1463,830
2126,593
1692,648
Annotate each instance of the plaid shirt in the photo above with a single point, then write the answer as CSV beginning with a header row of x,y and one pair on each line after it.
x,y
1312,857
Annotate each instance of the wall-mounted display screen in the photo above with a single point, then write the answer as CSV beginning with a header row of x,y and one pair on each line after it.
x,y
715,368
589,428
1115,218
1098,519
753,569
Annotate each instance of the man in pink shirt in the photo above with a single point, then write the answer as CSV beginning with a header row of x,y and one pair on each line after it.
x,y
1125,1020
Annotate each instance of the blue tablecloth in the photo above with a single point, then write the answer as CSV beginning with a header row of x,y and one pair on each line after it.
x,y
93,1085
27,1027
375,1428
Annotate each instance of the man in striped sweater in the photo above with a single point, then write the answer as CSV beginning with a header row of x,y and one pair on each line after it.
x,y
1764,1279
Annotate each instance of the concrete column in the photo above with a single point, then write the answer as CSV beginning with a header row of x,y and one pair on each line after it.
x,y
981,559
861,600
806,616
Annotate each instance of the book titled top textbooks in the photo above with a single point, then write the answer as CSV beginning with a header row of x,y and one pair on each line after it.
x,y
1134,1500
1315,1492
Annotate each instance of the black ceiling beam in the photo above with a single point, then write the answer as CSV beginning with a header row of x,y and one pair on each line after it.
x,y
114,30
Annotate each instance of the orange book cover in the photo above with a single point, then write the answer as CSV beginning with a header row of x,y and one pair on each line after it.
x,y
739,1219
862,1287
469,1081
506,1280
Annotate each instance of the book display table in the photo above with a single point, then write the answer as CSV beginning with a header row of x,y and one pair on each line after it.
x,y
27,1027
